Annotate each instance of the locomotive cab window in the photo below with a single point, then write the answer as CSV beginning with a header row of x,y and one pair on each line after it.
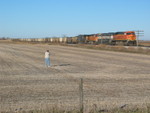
x,y
130,33
119,33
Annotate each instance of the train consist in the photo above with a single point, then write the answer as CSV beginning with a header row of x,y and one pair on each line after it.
x,y
113,38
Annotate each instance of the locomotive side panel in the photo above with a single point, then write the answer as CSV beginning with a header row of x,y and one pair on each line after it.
x,y
127,38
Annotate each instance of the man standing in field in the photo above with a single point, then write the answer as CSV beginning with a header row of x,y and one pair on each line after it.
x,y
47,58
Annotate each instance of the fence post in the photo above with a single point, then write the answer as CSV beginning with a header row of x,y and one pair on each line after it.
x,y
81,94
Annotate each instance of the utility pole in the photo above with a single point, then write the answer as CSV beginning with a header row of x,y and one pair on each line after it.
x,y
139,33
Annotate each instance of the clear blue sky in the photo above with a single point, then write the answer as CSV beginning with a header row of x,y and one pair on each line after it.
x,y
47,18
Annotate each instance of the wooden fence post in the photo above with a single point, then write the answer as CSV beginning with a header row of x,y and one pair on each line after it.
x,y
81,94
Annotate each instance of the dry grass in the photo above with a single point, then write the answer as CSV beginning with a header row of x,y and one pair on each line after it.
x,y
129,49
144,43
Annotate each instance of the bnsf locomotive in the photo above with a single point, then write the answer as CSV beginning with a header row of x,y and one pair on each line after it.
x,y
125,38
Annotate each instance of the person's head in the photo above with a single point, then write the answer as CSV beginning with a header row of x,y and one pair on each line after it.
x,y
47,50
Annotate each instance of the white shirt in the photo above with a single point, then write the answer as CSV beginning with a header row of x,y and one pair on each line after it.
x,y
47,54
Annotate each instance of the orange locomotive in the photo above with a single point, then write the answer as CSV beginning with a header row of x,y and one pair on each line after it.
x,y
88,39
92,38
127,38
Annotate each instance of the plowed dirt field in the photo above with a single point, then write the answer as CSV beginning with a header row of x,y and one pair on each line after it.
x,y
110,78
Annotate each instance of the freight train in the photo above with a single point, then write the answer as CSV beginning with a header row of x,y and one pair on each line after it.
x,y
112,38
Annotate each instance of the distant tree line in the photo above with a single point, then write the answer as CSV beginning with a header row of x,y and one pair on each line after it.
x,y
4,38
